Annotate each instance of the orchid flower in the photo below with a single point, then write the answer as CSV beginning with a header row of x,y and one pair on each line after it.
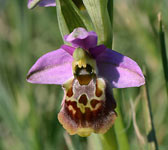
x,y
42,3
87,72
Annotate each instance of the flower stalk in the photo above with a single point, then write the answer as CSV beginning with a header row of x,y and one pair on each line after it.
x,y
109,140
119,124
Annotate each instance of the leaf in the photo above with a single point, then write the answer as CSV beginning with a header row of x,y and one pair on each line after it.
x,y
8,114
98,12
69,17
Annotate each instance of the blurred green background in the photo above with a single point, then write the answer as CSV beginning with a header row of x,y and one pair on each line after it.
x,y
28,113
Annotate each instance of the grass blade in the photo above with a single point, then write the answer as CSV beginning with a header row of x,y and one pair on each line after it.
x,y
163,50
149,124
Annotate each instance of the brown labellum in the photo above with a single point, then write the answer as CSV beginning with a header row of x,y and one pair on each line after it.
x,y
88,106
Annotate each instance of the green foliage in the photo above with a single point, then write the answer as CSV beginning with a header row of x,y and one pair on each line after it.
x,y
98,13
163,50
69,17
28,113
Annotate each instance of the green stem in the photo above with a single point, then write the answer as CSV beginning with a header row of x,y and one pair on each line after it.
x,y
109,140
121,134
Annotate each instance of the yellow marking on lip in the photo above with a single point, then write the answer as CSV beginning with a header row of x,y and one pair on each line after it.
x,y
97,106
68,84
101,84
84,131
72,109
81,107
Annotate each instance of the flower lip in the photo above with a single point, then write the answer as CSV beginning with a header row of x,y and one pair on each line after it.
x,y
84,110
